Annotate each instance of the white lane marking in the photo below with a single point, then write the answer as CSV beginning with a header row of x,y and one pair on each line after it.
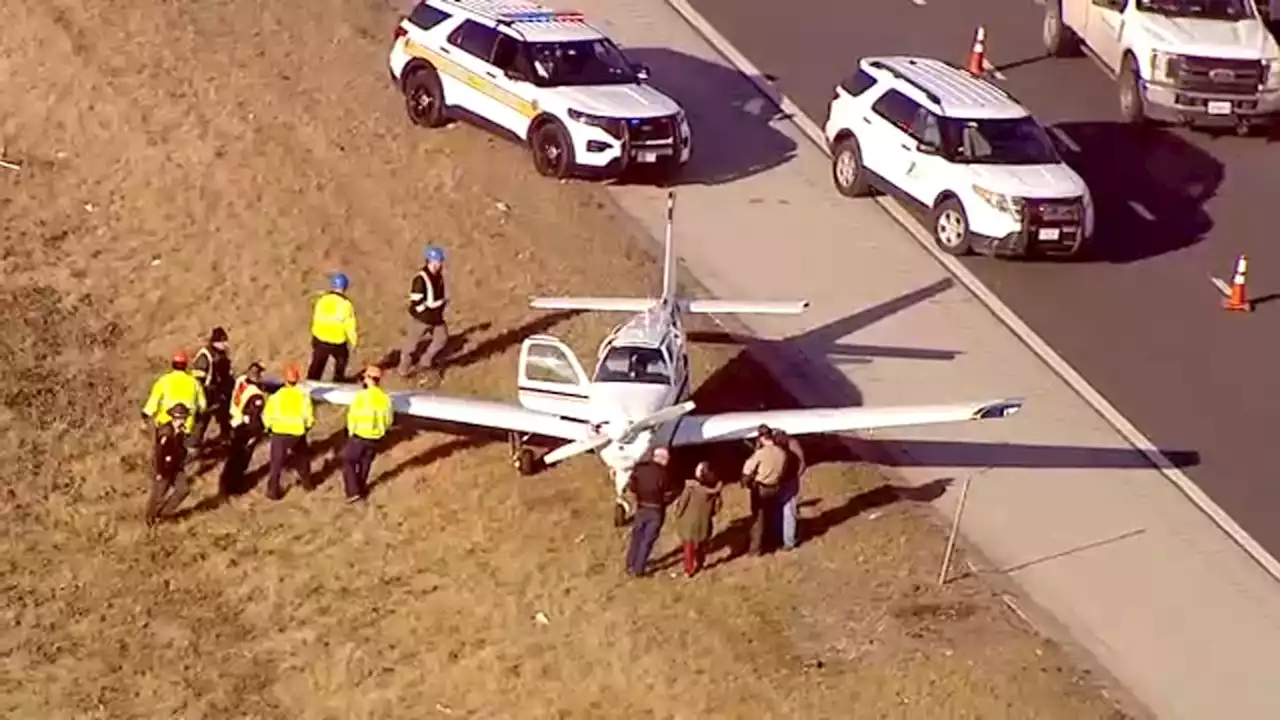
x,y
997,307
1144,213
918,2
1221,285
1065,139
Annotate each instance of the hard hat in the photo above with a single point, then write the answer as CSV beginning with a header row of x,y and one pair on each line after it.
x,y
179,359
218,335
179,411
433,254
339,282
292,374
373,372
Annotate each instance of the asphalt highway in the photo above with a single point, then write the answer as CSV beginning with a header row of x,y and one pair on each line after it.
x,y
1139,318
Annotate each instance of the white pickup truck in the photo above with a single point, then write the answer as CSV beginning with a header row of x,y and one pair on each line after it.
x,y
1201,62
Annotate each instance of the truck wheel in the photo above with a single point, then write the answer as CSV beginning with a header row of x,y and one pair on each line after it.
x,y
847,171
1129,86
1059,40
424,99
951,228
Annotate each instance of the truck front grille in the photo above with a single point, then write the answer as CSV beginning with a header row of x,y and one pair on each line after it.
x,y
1218,75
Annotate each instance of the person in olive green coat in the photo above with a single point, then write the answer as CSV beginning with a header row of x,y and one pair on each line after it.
x,y
694,511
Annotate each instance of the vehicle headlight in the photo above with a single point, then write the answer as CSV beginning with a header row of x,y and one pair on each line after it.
x,y
1271,78
1164,67
1006,204
613,126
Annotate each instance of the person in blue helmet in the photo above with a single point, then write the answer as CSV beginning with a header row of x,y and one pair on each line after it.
x,y
427,302
333,330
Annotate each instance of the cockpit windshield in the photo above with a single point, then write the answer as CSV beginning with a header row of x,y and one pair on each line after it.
x,y
634,364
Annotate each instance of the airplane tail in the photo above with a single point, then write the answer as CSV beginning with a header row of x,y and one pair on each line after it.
x,y
670,268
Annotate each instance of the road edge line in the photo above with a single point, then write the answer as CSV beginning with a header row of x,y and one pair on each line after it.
x,y
993,304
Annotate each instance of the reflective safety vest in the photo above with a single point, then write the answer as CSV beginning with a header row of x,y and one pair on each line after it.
x,y
334,320
175,386
289,412
370,414
240,397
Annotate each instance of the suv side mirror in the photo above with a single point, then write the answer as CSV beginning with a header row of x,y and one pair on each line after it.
x,y
641,71
925,148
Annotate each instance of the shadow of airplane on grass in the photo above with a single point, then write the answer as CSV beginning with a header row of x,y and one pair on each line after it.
x,y
826,339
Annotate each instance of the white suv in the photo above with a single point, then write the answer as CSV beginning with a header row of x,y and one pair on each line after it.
x,y
544,76
938,136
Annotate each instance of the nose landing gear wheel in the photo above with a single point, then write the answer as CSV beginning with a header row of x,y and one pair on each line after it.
x,y
619,516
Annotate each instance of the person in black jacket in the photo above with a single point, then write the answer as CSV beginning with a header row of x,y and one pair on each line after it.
x,y
168,486
212,367
651,485
427,301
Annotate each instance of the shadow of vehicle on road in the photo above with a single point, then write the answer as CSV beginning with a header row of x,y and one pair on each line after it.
x,y
733,127
1149,188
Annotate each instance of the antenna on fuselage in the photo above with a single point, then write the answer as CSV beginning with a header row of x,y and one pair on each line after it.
x,y
669,254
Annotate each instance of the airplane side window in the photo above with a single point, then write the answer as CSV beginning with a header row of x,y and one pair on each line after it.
x,y
549,364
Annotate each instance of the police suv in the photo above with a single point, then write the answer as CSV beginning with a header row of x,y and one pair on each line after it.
x,y
939,137
544,76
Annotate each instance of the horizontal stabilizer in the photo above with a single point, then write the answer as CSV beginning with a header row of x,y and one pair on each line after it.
x,y
597,304
697,429
744,307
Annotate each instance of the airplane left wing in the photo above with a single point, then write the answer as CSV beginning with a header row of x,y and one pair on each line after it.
x,y
698,429
464,411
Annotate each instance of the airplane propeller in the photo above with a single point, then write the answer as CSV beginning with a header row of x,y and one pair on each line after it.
x,y
618,432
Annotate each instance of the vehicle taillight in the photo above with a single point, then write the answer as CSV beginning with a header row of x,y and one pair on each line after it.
x,y
400,31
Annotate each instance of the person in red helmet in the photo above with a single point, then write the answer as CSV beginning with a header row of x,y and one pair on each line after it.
x,y
174,387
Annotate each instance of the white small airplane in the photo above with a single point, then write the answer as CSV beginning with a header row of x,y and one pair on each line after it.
x,y
637,398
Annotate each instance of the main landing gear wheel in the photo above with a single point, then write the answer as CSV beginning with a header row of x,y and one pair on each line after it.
x,y
526,459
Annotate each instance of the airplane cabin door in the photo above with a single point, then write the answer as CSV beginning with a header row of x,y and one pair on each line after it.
x,y
551,379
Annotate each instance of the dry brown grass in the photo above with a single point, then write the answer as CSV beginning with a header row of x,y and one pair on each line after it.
x,y
192,164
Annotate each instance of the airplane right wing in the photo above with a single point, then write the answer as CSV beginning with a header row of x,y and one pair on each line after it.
x,y
464,411
698,429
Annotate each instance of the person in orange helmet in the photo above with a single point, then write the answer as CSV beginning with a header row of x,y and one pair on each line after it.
x,y
288,416
368,420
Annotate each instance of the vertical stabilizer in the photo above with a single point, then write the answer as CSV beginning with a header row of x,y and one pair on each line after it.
x,y
669,253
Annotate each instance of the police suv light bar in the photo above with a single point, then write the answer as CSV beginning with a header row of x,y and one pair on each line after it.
x,y
531,16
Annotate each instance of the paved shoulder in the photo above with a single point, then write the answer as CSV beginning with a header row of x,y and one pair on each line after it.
x,y
1060,503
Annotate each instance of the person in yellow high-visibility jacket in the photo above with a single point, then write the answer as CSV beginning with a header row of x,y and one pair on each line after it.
x,y
368,419
333,331
174,387
287,417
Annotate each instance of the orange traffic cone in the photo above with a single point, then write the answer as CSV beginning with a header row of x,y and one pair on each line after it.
x,y
978,53
1238,297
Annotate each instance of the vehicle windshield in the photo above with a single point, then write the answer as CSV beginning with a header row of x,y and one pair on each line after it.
x,y
1019,141
580,62
1207,9
634,364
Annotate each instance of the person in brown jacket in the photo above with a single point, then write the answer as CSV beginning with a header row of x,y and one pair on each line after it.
x,y
762,475
694,512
